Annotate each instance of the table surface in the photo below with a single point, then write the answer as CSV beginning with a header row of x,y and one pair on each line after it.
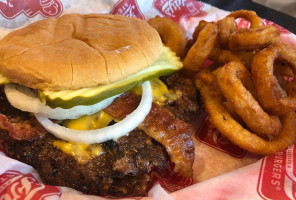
x,y
281,19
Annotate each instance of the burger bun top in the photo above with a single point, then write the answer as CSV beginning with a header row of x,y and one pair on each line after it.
x,y
77,51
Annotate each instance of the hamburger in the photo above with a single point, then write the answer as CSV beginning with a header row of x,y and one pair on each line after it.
x,y
76,103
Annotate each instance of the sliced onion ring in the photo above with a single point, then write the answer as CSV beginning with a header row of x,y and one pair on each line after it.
x,y
119,129
25,99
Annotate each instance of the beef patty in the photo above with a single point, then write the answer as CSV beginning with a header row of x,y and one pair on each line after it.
x,y
122,169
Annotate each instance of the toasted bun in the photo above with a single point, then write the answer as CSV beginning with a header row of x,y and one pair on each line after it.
x,y
77,51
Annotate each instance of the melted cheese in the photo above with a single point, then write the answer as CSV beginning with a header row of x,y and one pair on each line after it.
x,y
83,152
3,79
160,92
90,122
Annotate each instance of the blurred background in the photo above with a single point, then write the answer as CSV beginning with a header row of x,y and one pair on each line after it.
x,y
286,6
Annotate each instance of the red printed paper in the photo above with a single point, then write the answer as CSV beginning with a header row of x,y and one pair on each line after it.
x,y
178,9
10,9
208,134
273,181
281,29
128,8
242,23
170,180
15,185
291,163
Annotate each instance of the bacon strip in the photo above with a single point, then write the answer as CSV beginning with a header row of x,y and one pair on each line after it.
x,y
5,125
20,125
25,130
164,127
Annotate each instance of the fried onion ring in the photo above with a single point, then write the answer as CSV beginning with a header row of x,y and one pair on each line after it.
x,y
222,120
224,56
253,39
246,79
195,34
283,73
171,34
282,68
199,52
251,16
271,95
226,26
243,102
230,108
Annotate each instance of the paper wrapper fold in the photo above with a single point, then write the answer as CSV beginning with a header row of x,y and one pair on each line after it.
x,y
221,169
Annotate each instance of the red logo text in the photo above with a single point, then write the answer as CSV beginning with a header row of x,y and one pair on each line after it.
x,y
15,185
10,9
127,8
178,9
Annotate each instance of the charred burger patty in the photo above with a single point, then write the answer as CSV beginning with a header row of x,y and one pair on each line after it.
x,y
123,167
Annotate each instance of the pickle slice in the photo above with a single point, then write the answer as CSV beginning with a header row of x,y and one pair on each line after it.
x,y
3,79
165,65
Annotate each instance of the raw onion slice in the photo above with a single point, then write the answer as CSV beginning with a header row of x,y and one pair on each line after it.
x,y
25,99
119,129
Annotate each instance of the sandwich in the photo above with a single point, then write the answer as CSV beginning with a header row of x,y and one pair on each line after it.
x,y
95,102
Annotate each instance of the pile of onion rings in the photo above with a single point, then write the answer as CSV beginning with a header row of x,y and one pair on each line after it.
x,y
223,41
249,91
237,133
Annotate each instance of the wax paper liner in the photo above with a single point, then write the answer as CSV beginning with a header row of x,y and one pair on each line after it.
x,y
221,169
